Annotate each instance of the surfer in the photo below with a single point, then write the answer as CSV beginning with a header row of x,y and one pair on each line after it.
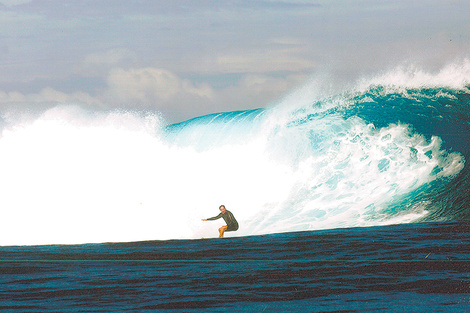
x,y
232,224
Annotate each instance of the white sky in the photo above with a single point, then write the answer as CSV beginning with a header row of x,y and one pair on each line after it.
x,y
188,58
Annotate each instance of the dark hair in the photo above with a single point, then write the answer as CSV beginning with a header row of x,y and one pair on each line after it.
x,y
222,206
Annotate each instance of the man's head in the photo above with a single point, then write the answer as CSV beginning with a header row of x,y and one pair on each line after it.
x,y
222,209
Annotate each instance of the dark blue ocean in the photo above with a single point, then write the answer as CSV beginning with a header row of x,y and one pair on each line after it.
x,y
421,267
351,201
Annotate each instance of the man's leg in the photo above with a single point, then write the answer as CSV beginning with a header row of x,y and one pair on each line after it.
x,y
221,231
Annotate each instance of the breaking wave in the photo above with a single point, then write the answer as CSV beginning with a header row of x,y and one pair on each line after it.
x,y
390,150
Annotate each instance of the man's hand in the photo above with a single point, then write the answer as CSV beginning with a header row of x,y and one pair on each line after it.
x,y
204,219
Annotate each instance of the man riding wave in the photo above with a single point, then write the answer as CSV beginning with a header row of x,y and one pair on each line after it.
x,y
232,224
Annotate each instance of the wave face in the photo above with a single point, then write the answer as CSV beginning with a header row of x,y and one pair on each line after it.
x,y
387,151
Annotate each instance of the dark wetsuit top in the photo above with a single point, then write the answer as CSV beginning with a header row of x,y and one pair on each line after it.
x,y
228,218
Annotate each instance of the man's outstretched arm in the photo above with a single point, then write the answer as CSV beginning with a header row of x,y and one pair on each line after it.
x,y
213,218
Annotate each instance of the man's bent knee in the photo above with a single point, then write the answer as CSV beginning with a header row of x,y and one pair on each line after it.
x,y
221,231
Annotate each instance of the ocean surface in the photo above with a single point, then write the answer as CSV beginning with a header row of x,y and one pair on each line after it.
x,y
348,199
420,267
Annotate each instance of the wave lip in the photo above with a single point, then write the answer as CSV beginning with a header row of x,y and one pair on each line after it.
x,y
455,76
